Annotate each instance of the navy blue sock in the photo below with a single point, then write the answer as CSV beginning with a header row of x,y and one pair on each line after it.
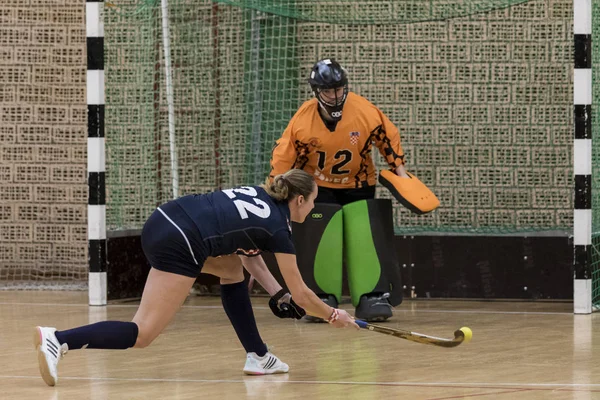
x,y
238,308
101,335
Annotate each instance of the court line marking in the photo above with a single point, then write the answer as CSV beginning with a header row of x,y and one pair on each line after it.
x,y
463,385
489,312
462,396
398,311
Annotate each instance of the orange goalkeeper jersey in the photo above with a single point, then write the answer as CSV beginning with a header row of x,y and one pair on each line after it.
x,y
342,158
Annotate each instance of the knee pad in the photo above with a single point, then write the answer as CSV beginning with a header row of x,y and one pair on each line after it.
x,y
369,250
319,253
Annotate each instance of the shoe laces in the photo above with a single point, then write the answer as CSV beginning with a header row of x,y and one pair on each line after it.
x,y
382,301
64,349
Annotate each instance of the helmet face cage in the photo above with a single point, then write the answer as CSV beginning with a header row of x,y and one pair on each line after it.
x,y
334,100
333,110
328,74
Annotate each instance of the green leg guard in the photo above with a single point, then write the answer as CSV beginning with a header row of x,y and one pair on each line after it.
x,y
318,243
369,250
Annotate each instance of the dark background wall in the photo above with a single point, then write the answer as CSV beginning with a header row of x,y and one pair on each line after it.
x,y
475,267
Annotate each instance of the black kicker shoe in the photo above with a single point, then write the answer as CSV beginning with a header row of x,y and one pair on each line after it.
x,y
374,307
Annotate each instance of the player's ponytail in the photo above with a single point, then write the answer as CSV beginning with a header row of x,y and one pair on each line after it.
x,y
286,186
278,188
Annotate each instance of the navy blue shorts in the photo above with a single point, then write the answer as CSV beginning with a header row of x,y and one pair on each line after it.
x,y
172,242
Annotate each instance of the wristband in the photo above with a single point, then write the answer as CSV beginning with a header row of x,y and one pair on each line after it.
x,y
334,316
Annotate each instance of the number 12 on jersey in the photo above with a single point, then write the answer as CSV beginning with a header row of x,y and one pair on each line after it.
x,y
259,208
345,156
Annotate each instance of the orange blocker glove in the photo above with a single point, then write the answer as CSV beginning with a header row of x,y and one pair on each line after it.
x,y
410,192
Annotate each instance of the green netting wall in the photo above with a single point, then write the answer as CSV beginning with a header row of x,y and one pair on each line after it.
x,y
480,90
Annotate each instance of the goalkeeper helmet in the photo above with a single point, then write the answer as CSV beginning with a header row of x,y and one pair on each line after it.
x,y
329,83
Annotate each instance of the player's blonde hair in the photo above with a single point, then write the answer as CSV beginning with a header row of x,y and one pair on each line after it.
x,y
295,182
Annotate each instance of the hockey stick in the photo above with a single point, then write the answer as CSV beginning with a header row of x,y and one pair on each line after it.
x,y
463,335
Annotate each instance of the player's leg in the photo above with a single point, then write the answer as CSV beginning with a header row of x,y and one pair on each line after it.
x,y
173,247
328,259
236,301
373,271
163,295
318,243
237,305
167,243
373,305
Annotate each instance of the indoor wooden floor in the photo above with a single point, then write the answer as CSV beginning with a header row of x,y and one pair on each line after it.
x,y
519,351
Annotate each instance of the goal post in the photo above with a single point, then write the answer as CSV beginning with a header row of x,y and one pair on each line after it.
x,y
485,94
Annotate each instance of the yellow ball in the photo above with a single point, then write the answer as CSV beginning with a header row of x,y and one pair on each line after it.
x,y
467,332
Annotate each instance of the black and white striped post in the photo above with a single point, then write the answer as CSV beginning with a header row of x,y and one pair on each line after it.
x,y
95,152
582,152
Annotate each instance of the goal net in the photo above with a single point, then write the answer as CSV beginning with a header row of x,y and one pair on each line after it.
x,y
481,91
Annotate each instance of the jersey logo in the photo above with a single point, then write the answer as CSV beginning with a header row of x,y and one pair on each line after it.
x,y
354,137
314,142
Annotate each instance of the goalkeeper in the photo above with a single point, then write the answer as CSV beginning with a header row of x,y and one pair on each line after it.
x,y
331,137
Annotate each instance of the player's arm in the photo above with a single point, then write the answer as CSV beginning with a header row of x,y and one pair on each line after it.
x,y
281,303
409,190
258,269
389,144
284,153
305,297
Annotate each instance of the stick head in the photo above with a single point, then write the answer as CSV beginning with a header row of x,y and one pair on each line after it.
x,y
467,333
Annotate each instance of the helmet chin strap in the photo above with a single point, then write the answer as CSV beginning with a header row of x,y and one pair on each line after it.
x,y
324,112
332,113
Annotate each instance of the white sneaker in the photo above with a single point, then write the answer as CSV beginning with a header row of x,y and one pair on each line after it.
x,y
49,353
265,365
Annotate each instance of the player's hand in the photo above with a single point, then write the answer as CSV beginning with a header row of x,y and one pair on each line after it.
x,y
283,306
344,320
401,172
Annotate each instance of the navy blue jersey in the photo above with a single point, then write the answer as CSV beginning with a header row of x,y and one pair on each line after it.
x,y
244,220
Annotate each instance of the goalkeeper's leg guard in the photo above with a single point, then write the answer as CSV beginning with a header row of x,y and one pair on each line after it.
x,y
373,269
318,243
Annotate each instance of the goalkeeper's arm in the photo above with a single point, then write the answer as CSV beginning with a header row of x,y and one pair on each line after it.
x,y
284,153
389,144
